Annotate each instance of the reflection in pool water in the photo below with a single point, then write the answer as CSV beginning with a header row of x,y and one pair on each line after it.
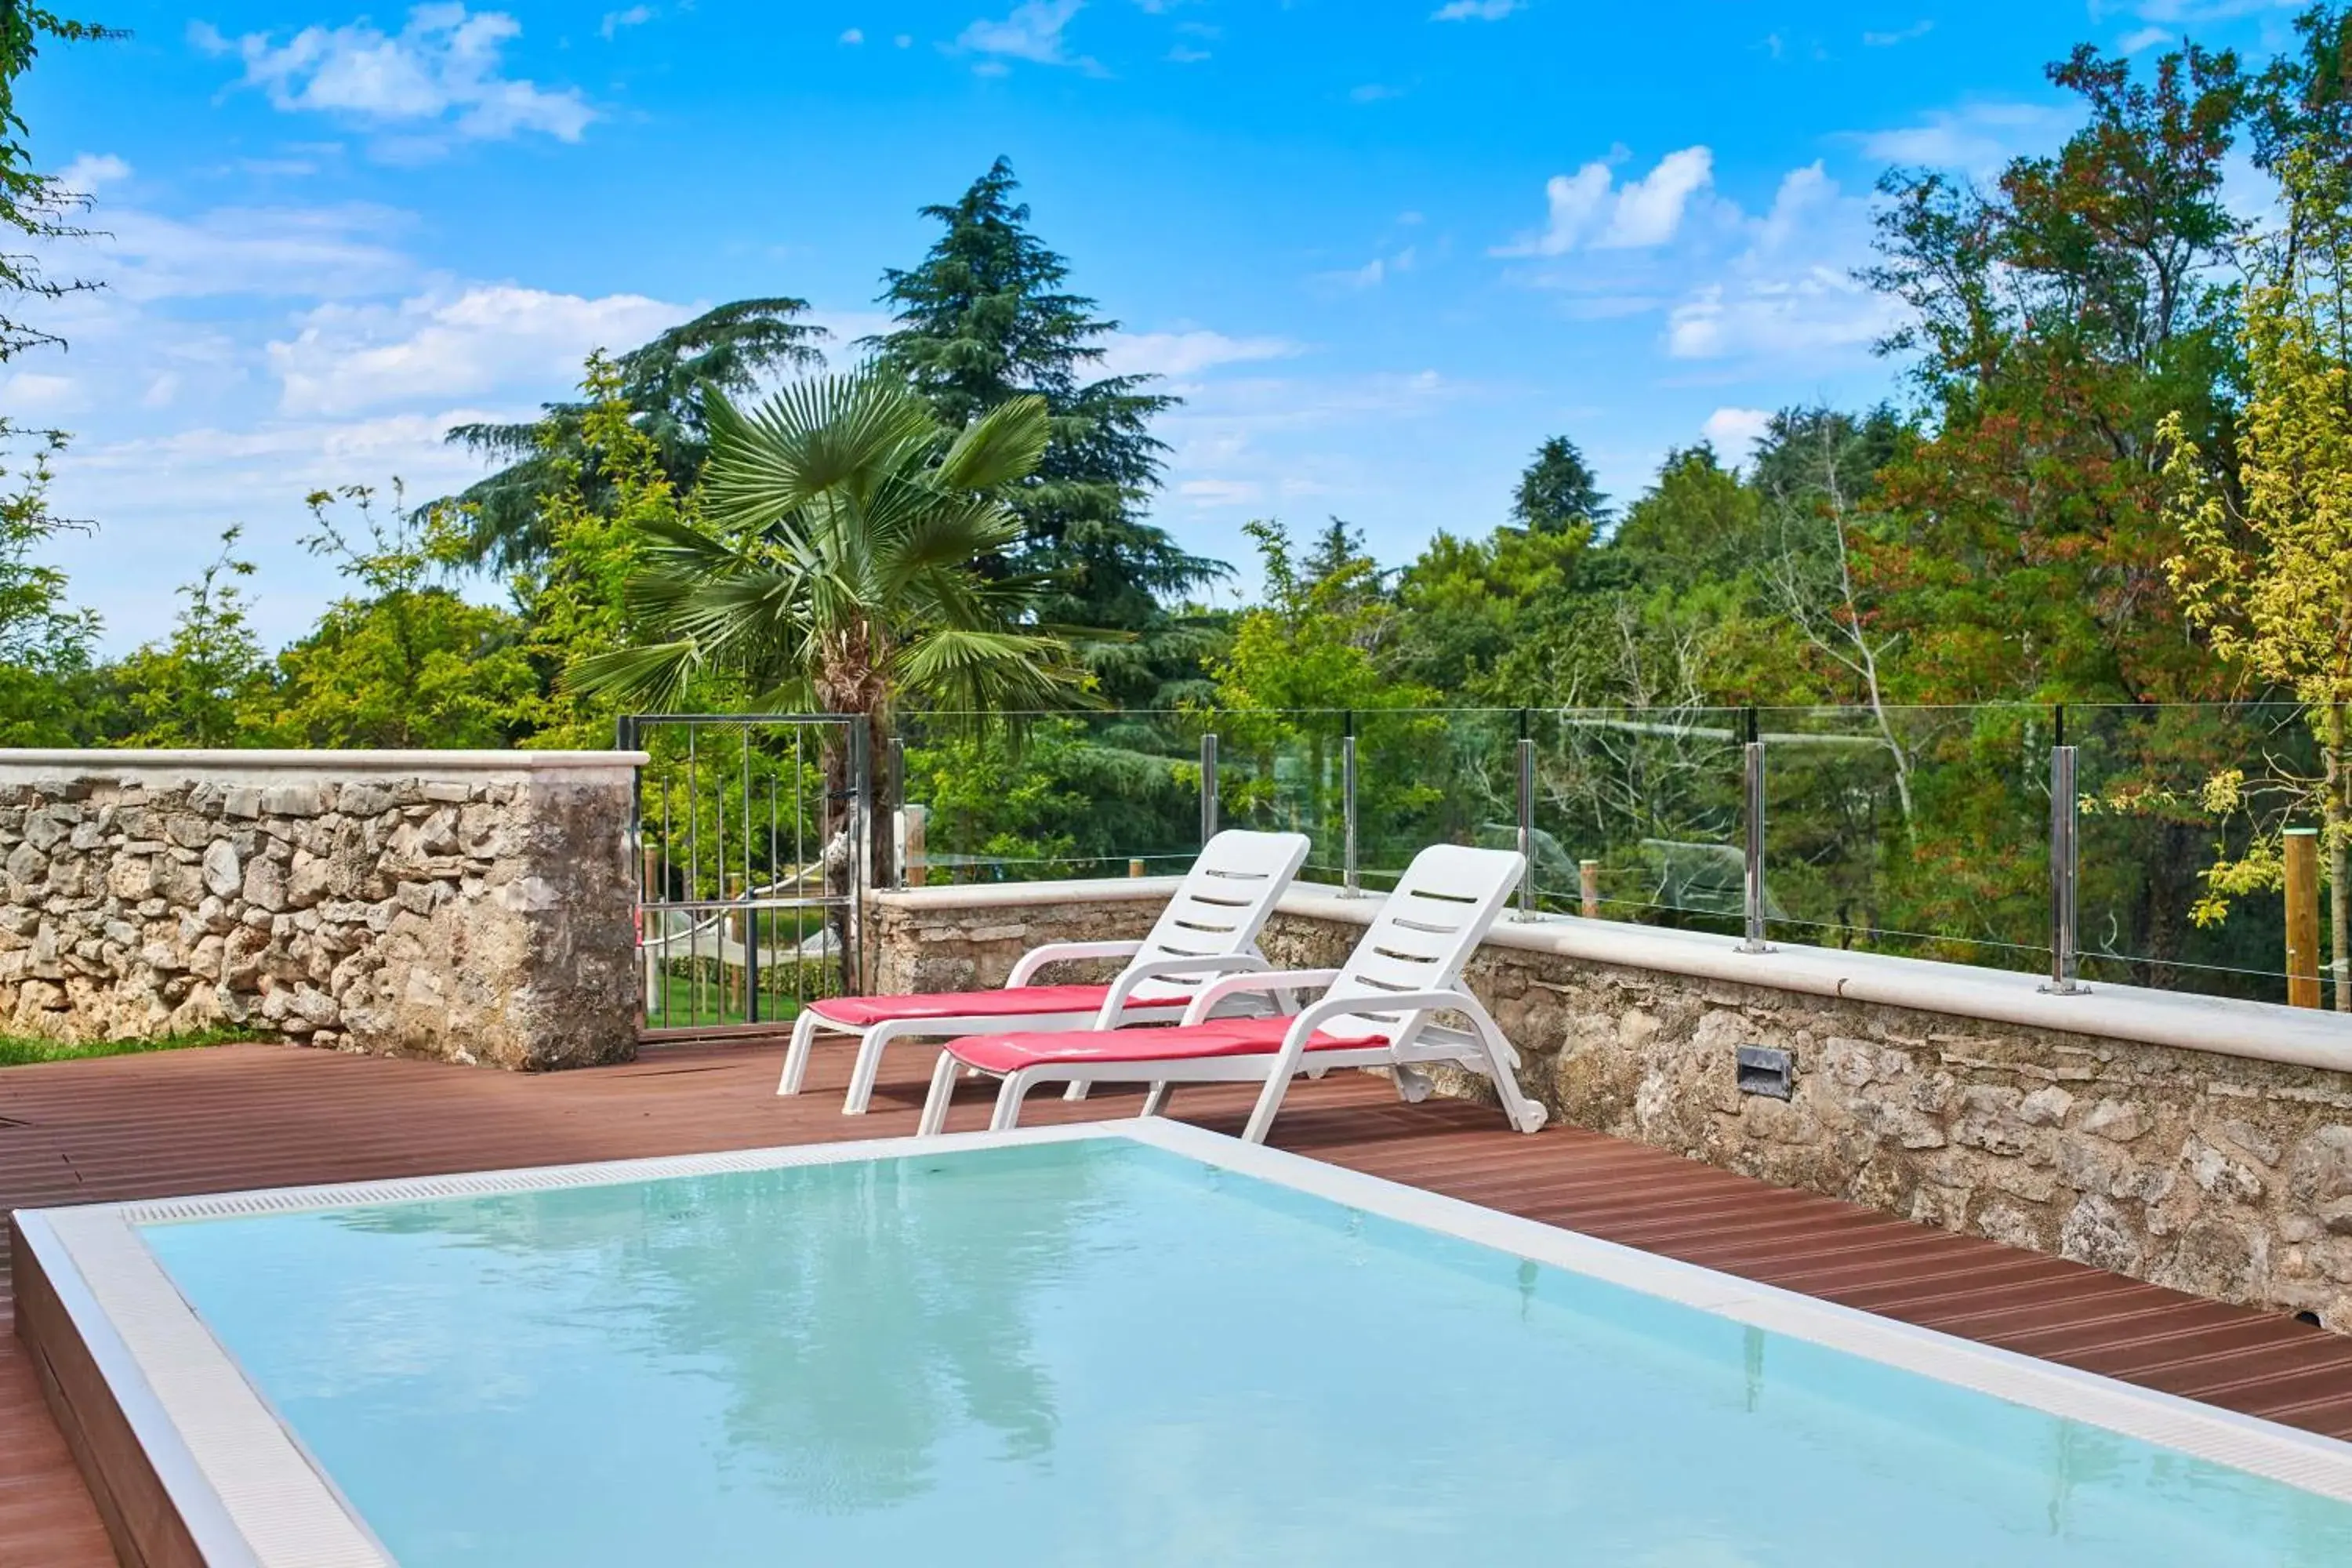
x,y
1097,1352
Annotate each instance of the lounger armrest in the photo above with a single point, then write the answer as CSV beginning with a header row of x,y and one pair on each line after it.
x,y
1217,991
1313,1018
1123,989
1037,958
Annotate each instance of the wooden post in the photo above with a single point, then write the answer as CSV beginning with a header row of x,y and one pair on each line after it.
x,y
2301,854
914,854
1587,888
1135,867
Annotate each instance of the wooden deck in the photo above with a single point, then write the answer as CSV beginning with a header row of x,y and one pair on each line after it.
x,y
250,1116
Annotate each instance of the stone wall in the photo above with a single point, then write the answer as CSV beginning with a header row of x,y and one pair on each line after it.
x,y
2211,1171
471,907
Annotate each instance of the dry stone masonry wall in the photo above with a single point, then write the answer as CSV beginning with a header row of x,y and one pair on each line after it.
x,y
465,906
2211,1172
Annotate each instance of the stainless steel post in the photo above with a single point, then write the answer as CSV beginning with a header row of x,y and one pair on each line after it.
x,y
1754,940
896,802
1208,789
2064,868
1527,828
1350,875
861,787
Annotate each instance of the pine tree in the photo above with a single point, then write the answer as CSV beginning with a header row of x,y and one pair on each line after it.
x,y
1558,490
985,319
661,385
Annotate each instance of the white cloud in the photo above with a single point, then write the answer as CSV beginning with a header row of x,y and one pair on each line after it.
x,y
349,358
39,395
1033,33
327,252
635,17
1374,92
1734,431
1977,138
854,36
1640,215
2146,37
1476,10
1816,309
1649,209
1189,353
1888,40
444,69
1181,55
92,172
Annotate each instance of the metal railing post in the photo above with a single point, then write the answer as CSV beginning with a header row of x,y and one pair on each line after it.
x,y
896,802
2064,869
1208,788
1350,875
1527,823
861,805
1753,860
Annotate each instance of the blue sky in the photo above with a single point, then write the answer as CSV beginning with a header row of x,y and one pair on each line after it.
x,y
1382,250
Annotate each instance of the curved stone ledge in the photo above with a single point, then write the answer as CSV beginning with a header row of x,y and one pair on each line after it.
x,y
2262,1031
25,765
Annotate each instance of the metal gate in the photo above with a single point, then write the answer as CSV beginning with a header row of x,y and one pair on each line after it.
x,y
750,841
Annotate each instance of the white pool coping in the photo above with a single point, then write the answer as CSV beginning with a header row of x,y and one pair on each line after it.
x,y
250,1496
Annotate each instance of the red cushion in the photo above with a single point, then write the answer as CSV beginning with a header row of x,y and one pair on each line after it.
x,y
1017,1002
1224,1037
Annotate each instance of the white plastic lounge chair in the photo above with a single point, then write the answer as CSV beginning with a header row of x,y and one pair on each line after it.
x,y
1210,928
1375,1010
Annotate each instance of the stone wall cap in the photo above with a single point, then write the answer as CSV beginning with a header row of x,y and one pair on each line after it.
x,y
2263,1031
20,766
2226,1025
1028,895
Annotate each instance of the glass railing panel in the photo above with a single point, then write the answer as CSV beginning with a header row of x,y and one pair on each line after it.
x,y
2169,794
1032,797
1916,830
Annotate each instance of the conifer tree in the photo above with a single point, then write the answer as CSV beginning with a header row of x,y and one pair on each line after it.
x,y
985,319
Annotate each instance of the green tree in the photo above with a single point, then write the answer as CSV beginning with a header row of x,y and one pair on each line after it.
x,y
660,384
1558,491
2265,568
46,644
608,488
836,564
1299,661
198,687
985,319
34,205
405,662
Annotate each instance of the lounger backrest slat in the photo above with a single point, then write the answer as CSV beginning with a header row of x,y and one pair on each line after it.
x,y
1224,902
1444,906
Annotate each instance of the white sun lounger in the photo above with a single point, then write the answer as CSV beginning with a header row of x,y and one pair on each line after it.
x,y
1210,928
1376,1011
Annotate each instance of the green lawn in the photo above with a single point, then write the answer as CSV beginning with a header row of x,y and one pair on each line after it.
x,y
19,1052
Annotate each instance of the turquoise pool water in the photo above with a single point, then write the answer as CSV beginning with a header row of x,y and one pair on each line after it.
x,y
1102,1352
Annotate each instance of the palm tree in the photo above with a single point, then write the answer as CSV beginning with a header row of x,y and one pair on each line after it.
x,y
848,555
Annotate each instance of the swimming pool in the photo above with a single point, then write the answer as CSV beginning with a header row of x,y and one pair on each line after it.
x,y
1130,1343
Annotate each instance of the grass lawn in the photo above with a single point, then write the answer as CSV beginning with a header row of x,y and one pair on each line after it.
x,y
19,1052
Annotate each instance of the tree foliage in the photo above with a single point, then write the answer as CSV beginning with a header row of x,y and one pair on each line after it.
x,y
660,384
986,319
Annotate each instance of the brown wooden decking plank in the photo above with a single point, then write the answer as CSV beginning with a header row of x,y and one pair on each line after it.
x,y
252,1116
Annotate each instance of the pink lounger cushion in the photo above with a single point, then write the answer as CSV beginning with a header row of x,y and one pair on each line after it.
x,y
1013,1002
1226,1038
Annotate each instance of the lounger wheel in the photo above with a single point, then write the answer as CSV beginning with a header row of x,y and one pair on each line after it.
x,y
1532,1119
1412,1085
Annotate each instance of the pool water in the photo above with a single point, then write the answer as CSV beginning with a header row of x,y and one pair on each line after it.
x,y
1099,1351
